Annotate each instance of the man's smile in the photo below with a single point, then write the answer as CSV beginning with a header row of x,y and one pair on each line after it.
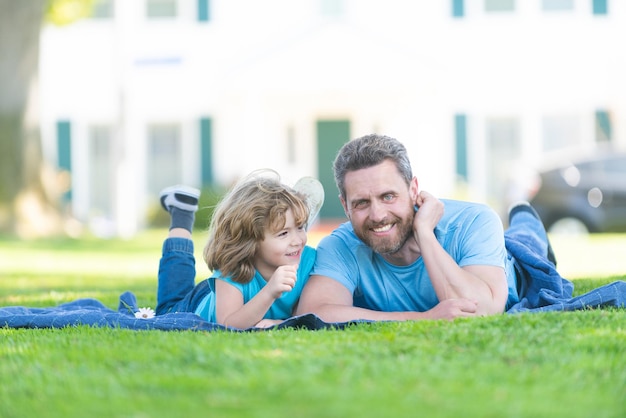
x,y
383,228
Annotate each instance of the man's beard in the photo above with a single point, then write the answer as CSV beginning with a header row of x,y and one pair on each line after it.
x,y
389,245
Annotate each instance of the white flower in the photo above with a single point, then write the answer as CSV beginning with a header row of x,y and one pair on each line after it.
x,y
144,313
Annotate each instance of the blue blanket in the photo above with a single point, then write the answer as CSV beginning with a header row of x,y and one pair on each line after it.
x,y
92,312
547,290
555,297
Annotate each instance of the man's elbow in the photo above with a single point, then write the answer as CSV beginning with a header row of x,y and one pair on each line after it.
x,y
496,303
306,304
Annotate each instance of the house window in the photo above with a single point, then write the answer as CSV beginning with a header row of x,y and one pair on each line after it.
x,y
503,148
160,9
291,145
557,5
164,156
560,131
499,5
332,8
102,9
100,171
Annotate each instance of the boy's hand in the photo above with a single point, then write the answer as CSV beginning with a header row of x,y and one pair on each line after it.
x,y
283,280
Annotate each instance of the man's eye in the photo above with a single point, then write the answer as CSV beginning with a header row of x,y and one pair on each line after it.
x,y
360,205
388,197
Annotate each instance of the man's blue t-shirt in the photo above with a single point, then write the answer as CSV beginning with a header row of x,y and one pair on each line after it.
x,y
282,308
471,233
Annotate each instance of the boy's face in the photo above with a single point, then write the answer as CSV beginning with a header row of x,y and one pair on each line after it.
x,y
279,248
380,206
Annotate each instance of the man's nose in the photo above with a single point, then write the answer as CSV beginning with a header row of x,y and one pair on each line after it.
x,y
377,211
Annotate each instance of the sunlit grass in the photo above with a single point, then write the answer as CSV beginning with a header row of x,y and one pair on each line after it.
x,y
593,255
562,364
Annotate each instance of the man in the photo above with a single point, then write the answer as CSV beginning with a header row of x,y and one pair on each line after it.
x,y
406,255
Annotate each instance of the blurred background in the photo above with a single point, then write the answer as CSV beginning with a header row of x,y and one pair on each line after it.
x,y
105,102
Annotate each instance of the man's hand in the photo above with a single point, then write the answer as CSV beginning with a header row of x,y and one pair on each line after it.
x,y
453,308
428,215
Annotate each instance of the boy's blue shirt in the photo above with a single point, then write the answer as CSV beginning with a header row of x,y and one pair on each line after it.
x,y
282,308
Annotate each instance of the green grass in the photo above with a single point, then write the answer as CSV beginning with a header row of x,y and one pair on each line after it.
x,y
531,365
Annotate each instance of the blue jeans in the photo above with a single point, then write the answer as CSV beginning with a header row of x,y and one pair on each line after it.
x,y
543,288
527,224
176,291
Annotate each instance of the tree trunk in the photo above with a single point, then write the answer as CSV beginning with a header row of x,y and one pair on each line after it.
x,y
27,188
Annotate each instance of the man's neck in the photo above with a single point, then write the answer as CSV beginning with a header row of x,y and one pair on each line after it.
x,y
407,255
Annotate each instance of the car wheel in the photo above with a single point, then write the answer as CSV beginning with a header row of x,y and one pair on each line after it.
x,y
569,226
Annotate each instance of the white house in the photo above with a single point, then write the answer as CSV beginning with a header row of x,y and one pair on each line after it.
x,y
149,93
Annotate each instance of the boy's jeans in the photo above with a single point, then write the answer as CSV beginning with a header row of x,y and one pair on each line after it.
x,y
176,290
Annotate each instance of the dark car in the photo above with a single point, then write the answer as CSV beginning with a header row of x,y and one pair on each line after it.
x,y
584,195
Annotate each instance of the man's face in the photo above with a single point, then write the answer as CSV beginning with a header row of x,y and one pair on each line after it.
x,y
380,206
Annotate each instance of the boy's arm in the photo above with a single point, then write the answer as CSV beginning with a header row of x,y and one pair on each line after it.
x,y
230,309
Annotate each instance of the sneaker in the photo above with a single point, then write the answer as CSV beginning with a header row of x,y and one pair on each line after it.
x,y
181,197
313,192
524,206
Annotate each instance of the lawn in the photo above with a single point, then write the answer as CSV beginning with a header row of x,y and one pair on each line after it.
x,y
529,365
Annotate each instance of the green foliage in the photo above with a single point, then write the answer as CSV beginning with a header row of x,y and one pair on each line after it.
x,y
569,364
64,12
10,127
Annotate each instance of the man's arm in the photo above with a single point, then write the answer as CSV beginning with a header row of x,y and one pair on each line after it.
x,y
332,302
487,285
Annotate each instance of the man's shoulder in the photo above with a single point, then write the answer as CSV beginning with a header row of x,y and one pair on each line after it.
x,y
343,235
467,215
455,208
464,204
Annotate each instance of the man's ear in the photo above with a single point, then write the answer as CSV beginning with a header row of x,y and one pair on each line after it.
x,y
414,189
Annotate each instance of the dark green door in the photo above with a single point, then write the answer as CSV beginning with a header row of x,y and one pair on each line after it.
x,y
331,135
